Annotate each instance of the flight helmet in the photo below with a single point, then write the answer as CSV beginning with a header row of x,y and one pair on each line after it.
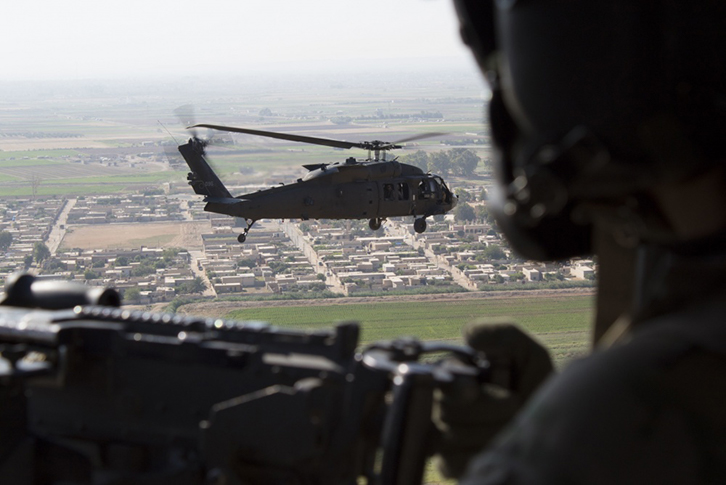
x,y
594,102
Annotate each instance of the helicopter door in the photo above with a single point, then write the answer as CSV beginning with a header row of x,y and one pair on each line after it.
x,y
396,191
356,200
372,199
396,199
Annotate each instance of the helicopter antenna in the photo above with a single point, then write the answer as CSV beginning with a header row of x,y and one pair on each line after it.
x,y
165,128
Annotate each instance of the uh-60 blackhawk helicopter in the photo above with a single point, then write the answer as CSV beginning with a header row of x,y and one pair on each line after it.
x,y
373,189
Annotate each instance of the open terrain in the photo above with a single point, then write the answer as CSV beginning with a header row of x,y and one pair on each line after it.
x,y
182,234
560,319
99,137
107,136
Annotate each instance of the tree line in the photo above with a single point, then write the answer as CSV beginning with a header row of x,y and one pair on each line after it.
x,y
457,161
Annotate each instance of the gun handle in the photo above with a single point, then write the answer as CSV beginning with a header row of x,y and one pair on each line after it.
x,y
407,426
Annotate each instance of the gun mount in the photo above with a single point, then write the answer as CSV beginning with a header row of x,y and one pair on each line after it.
x,y
94,394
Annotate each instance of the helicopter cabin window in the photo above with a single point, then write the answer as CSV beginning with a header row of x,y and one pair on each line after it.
x,y
396,191
403,191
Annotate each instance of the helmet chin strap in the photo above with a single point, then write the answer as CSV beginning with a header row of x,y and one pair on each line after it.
x,y
532,204
547,176
617,278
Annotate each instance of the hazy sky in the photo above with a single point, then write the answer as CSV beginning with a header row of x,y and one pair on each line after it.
x,y
51,39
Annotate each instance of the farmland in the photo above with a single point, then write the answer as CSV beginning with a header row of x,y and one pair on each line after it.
x,y
559,322
117,137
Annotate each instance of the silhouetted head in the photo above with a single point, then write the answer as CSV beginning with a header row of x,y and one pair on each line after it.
x,y
603,112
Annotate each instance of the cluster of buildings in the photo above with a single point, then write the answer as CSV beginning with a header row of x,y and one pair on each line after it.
x,y
268,262
126,208
154,274
364,262
144,275
28,222
477,257
344,257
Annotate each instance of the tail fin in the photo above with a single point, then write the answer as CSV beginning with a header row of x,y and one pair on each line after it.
x,y
202,178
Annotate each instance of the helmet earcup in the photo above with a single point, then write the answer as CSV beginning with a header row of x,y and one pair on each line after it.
x,y
555,235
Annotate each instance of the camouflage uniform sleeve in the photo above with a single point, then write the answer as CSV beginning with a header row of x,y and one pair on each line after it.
x,y
613,418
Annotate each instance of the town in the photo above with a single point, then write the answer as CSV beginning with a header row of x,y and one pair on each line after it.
x,y
100,195
284,258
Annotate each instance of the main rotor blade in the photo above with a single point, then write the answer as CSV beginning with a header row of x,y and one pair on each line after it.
x,y
185,115
420,136
282,136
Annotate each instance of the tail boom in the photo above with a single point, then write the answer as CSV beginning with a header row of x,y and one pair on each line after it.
x,y
202,178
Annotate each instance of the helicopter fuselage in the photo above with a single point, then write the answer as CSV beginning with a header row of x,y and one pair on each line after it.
x,y
349,190
374,189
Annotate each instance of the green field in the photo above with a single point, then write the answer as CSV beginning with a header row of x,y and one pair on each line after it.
x,y
140,178
24,157
560,323
61,190
8,178
8,163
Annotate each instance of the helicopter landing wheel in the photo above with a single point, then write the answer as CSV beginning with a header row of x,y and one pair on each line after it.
x,y
375,223
419,225
243,237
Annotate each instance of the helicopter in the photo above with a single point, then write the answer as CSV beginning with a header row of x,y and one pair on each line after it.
x,y
373,189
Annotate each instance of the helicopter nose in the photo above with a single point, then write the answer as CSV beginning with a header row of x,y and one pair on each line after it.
x,y
454,201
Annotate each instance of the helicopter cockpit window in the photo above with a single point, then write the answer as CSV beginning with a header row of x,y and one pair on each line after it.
x,y
427,189
444,190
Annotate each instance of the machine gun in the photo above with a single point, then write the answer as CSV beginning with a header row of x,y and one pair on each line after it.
x,y
91,393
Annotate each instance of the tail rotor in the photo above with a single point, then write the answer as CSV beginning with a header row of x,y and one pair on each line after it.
x,y
201,177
